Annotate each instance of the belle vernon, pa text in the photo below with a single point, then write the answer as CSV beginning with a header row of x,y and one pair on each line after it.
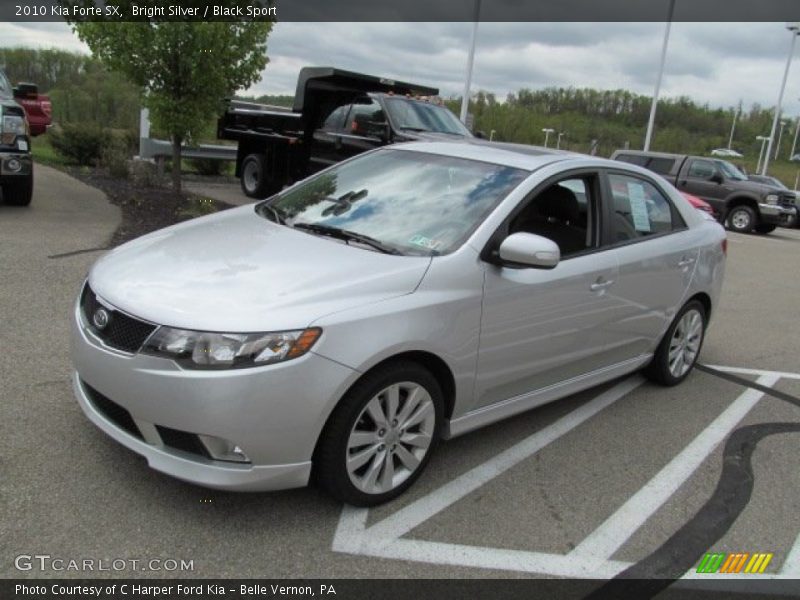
x,y
189,591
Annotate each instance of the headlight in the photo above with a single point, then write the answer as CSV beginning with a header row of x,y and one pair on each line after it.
x,y
14,124
772,199
202,350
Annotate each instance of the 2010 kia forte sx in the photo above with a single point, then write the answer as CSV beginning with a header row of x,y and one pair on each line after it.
x,y
344,326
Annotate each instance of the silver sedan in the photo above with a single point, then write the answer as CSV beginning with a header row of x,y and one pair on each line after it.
x,y
346,325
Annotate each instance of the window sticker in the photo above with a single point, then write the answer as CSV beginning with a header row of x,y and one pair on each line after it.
x,y
424,242
636,195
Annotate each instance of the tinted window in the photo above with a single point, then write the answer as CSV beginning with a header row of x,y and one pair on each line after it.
x,y
413,202
640,209
662,166
704,169
634,159
561,212
335,120
415,115
368,110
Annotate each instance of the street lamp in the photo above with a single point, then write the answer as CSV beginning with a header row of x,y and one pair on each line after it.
x,y
649,135
470,61
733,126
547,131
780,135
794,142
793,28
492,132
558,141
763,139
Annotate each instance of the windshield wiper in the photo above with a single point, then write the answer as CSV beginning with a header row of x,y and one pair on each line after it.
x,y
347,236
276,216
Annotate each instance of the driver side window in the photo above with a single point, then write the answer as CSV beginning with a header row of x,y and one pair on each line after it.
x,y
702,169
563,212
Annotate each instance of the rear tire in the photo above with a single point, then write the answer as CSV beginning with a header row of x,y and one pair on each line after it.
x,y
381,436
742,219
18,193
678,351
764,229
254,179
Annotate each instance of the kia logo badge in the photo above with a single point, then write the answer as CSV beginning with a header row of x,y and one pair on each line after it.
x,y
100,318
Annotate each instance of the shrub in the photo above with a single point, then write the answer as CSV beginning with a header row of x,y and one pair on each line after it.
x,y
208,166
79,144
115,156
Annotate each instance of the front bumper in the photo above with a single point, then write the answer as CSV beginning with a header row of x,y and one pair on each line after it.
x,y
275,414
775,214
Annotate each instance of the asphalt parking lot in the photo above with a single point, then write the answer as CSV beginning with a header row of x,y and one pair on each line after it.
x,y
617,478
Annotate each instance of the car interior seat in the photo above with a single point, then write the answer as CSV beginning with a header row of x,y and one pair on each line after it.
x,y
554,214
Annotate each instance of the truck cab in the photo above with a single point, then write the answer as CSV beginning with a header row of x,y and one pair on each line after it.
x,y
336,114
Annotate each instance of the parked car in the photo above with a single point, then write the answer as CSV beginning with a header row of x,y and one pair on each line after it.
x,y
700,204
793,220
416,292
38,107
741,204
16,166
336,115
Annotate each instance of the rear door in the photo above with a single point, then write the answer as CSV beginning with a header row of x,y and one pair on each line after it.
x,y
656,254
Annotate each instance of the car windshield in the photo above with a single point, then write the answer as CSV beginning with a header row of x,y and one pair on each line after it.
x,y
396,201
5,86
730,171
423,116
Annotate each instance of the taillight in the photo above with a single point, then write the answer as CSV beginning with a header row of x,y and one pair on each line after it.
x,y
725,246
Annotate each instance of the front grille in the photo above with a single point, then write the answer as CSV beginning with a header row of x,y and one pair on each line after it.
x,y
122,332
113,411
182,440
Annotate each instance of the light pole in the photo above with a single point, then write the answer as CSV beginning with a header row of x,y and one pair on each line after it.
x,y
547,131
793,28
558,141
470,61
733,126
649,135
763,139
491,134
780,135
794,142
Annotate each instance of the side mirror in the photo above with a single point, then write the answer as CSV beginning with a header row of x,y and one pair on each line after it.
x,y
26,90
529,250
716,177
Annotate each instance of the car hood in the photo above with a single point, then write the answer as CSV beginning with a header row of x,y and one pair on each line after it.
x,y
758,188
237,271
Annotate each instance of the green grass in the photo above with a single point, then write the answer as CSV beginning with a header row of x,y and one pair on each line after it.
x,y
782,169
44,153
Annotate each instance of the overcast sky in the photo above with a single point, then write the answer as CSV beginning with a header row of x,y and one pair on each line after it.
x,y
717,63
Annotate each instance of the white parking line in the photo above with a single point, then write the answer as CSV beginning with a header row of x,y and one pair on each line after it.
x,y
592,557
604,541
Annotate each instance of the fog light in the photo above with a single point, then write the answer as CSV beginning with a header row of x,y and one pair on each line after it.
x,y
13,165
222,449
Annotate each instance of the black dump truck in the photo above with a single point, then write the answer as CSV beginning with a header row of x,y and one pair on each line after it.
x,y
336,114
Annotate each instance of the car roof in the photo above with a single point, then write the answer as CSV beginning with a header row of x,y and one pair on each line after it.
x,y
518,156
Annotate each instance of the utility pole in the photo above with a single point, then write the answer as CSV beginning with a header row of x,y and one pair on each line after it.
x,y
470,61
649,135
793,27
733,126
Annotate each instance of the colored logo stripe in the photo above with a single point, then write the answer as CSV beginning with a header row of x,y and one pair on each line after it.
x,y
734,562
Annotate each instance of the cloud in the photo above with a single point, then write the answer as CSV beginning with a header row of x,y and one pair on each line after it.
x,y
714,63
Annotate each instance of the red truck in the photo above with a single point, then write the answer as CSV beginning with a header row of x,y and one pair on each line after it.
x,y
38,107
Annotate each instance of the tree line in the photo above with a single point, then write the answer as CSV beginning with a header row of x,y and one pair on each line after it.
x,y
84,91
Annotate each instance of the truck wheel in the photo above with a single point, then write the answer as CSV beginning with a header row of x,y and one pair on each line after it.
x,y
18,193
742,219
765,228
255,181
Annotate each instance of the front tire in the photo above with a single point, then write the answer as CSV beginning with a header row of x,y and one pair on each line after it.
x,y
19,193
742,219
678,351
764,229
379,439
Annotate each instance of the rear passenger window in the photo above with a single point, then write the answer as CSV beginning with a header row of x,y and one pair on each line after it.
x,y
634,159
640,209
662,166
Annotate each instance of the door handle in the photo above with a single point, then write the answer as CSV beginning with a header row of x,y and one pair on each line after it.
x,y
600,285
685,262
